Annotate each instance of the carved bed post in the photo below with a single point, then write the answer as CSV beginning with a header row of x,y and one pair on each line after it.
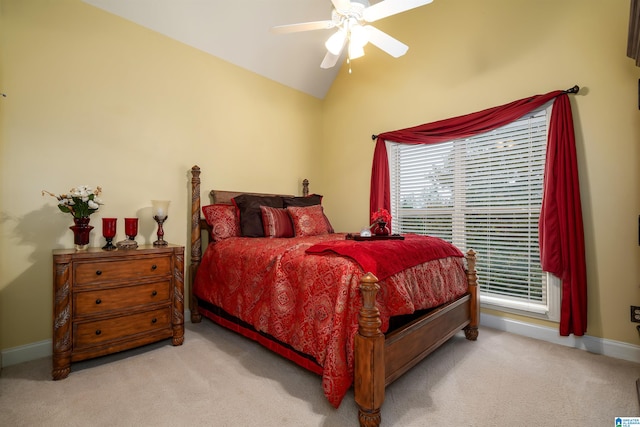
x,y
196,243
305,187
369,376
471,331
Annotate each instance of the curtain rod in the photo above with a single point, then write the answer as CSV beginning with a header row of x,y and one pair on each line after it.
x,y
574,89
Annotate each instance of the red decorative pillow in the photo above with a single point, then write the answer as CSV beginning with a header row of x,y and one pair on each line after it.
x,y
223,220
310,200
309,220
276,222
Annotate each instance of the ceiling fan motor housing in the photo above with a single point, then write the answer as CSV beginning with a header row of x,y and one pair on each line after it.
x,y
353,13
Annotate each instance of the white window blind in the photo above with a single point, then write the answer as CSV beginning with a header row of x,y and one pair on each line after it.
x,y
482,193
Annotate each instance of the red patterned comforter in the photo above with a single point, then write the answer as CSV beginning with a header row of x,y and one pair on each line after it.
x,y
311,302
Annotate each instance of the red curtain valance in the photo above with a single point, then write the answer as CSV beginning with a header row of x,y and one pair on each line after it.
x,y
561,229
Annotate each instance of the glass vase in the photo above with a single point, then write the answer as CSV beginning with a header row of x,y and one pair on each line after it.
x,y
381,229
81,231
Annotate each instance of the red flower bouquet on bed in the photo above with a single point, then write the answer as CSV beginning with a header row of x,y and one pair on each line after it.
x,y
379,220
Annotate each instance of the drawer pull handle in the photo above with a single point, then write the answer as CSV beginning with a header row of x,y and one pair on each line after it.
x,y
154,320
98,332
98,301
154,293
98,272
153,267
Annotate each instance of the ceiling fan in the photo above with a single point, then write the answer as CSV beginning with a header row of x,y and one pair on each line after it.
x,y
351,17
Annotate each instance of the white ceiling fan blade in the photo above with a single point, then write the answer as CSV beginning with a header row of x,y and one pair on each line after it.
x,y
385,42
305,26
390,7
329,60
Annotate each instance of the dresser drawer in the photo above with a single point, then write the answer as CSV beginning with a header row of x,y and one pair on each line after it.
x,y
89,334
105,300
108,271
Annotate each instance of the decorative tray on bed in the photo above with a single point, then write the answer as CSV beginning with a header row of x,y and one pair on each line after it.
x,y
360,238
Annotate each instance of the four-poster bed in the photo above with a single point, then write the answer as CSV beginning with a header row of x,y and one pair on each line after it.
x,y
378,358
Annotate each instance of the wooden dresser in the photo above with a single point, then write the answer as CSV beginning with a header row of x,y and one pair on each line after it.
x,y
109,301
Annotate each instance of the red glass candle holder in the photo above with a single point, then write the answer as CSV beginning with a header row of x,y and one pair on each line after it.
x,y
131,228
109,232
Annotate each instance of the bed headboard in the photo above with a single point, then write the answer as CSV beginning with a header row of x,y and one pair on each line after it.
x,y
224,197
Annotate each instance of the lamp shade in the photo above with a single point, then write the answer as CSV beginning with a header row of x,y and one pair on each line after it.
x,y
160,208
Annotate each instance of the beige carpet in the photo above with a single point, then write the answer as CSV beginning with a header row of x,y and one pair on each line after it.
x,y
218,378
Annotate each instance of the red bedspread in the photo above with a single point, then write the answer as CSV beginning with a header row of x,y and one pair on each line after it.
x,y
385,258
311,302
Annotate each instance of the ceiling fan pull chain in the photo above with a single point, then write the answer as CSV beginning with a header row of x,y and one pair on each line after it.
x,y
349,51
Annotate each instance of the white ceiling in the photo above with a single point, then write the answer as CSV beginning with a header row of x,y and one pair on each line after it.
x,y
238,32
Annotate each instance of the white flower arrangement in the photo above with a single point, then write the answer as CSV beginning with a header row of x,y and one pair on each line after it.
x,y
80,202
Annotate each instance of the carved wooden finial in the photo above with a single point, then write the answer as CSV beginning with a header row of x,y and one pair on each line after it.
x,y
369,320
471,268
305,187
195,172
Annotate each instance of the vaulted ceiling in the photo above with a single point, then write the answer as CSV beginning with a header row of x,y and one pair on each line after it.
x,y
238,32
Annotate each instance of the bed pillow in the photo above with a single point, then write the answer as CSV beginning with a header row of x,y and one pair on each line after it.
x,y
250,215
276,222
310,200
223,220
308,220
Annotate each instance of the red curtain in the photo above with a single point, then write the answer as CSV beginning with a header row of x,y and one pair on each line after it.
x,y
561,230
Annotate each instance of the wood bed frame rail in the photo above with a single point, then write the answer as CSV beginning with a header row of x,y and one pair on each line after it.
x,y
379,359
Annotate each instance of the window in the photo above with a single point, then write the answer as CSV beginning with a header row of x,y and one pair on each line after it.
x,y
483,193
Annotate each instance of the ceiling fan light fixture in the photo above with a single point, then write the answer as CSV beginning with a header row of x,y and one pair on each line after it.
x,y
359,36
335,43
355,51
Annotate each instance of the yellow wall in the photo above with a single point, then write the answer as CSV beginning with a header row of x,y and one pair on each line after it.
x,y
467,55
94,99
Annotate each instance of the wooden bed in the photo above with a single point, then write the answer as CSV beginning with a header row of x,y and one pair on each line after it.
x,y
379,359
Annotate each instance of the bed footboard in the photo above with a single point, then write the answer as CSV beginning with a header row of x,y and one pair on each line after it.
x,y
380,360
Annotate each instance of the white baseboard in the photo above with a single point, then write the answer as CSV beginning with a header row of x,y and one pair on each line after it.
x,y
25,353
617,349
